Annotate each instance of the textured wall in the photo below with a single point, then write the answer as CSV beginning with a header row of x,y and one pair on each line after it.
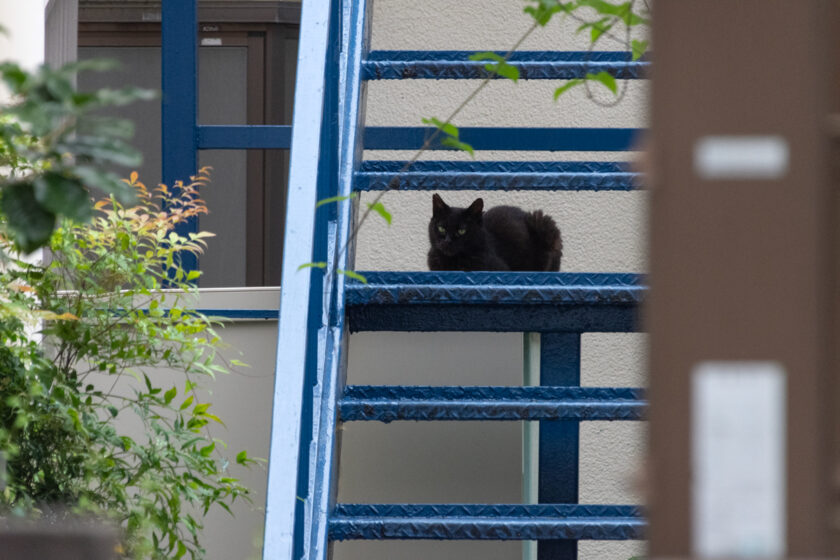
x,y
473,462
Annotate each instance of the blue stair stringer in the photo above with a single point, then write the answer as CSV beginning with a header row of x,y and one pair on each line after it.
x,y
318,311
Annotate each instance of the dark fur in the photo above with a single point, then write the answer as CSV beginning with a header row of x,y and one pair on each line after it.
x,y
502,238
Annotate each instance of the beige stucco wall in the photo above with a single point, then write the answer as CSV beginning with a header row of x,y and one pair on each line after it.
x,y
481,462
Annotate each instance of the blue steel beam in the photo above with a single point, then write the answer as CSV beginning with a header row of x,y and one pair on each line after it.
x,y
495,301
244,137
299,323
389,403
559,439
486,522
532,65
179,81
510,138
346,101
496,175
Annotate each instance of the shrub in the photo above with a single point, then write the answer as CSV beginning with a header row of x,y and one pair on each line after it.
x,y
84,426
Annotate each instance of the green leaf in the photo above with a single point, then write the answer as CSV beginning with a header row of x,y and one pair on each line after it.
x,y
201,408
30,223
458,145
447,128
169,395
63,195
544,9
639,48
192,275
597,30
186,403
379,208
207,450
242,457
335,199
502,68
102,149
312,265
14,76
182,549
566,87
605,78
353,274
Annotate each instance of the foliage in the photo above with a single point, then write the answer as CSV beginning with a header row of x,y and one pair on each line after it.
x,y
607,17
54,148
452,135
106,320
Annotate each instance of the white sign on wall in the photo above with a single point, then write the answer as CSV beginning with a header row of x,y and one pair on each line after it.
x,y
741,157
738,460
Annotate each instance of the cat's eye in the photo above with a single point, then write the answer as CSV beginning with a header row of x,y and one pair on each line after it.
x,y
462,231
441,229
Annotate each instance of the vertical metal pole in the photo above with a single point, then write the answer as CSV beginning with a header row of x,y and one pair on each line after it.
x,y
559,365
530,437
179,80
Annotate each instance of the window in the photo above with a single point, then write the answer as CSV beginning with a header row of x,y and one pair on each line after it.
x,y
246,76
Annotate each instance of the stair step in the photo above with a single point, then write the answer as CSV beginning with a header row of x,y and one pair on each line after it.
x,y
486,522
494,301
388,403
495,175
532,65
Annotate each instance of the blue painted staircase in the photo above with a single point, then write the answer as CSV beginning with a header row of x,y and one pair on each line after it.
x,y
319,311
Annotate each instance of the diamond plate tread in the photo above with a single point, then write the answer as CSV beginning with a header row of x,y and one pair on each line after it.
x,y
389,403
532,65
495,175
501,288
486,522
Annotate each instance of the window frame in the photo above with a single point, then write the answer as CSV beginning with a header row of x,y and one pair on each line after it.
x,y
265,29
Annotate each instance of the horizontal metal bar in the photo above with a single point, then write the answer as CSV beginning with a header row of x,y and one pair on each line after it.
x,y
511,138
389,403
532,65
495,175
234,137
244,137
486,522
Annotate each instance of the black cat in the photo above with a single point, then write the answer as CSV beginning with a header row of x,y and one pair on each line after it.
x,y
503,238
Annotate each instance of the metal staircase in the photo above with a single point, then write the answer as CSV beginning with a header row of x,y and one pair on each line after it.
x,y
311,396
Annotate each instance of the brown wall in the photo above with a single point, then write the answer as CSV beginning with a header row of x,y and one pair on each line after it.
x,y
741,269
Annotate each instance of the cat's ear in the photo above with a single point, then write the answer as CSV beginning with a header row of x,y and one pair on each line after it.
x,y
476,207
438,205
